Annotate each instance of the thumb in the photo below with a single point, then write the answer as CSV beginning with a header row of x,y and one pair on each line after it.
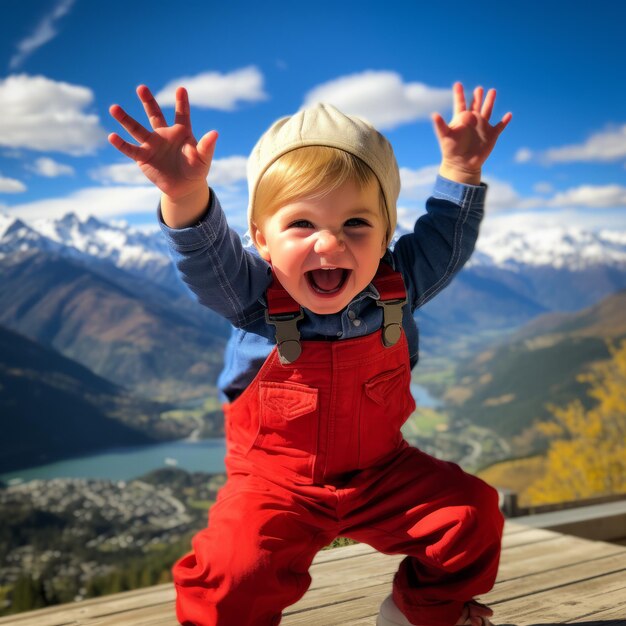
x,y
440,127
206,146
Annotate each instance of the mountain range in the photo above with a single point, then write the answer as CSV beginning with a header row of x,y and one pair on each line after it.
x,y
53,407
511,385
108,297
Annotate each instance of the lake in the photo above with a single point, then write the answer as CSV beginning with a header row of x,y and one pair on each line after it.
x,y
205,455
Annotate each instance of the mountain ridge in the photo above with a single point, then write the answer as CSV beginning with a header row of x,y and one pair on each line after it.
x,y
53,407
510,386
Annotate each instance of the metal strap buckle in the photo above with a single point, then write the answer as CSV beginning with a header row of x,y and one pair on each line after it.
x,y
392,320
287,335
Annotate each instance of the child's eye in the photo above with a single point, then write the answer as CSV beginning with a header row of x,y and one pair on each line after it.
x,y
355,222
301,224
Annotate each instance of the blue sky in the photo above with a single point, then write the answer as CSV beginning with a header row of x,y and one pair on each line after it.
x,y
558,66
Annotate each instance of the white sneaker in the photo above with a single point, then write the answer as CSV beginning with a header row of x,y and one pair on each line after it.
x,y
390,615
474,614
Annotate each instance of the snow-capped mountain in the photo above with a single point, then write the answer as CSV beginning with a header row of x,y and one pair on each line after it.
x,y
89,238
569,248
137,251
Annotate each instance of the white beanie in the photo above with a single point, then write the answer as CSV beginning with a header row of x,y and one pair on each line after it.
x,y
324,125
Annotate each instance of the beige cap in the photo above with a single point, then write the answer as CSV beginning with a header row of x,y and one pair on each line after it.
x,y
324,125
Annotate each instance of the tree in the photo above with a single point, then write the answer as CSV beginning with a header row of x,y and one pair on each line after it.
x,y
28,593
587,452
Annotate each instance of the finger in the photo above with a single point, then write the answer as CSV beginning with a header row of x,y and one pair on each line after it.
x,y
134,128
478,608
487,109
477,99
440,126
206,146
502,124
136,153
459,99
151,107
182,108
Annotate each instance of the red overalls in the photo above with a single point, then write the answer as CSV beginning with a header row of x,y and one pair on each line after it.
x,y
314,451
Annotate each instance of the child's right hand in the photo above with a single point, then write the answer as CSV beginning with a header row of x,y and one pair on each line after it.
x,y
169,156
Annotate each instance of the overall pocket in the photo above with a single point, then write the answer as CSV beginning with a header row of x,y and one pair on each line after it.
x,y
386,402
288,419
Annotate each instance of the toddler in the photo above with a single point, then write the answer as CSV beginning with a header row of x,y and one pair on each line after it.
x,y
317,372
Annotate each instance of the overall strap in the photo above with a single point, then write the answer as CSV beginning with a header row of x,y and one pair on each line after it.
x,y
284,312
390,286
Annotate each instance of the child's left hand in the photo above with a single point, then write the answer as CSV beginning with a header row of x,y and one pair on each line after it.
x,y
469,138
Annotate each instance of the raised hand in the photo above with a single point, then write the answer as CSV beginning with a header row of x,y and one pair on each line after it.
x,y
469,138
169,156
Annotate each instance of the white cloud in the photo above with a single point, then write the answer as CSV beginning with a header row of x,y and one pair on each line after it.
x,y
50,168
543,187
417,184
119,173
528,221
604,146
501,196
523,155
416,179
591,196
10,185
103,202
228,171
224,172
46,115
213,90
607,145
44,32
117,202
382,98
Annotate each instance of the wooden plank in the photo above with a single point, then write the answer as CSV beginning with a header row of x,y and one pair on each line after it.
x,y
527,537
511,527
327,575
562,552
555,579
77,613
162,615
543,575
338,611
617,614
580,600
341,592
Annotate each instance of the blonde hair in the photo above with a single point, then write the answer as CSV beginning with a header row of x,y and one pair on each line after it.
x,y
310,171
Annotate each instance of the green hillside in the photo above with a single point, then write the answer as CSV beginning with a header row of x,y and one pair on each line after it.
x,y
136,335
509,387
52,407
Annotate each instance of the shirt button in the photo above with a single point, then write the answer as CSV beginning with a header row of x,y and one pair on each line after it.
x,y
356,322
351,314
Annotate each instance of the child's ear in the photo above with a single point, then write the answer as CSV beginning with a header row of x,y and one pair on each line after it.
x,y
383,246
258,238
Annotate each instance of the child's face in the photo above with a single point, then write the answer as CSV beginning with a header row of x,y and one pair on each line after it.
x,y
343,232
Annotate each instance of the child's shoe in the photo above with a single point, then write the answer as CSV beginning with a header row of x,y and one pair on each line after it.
x,y
474,614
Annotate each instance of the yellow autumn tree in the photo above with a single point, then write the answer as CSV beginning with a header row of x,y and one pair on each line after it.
x,y
587,453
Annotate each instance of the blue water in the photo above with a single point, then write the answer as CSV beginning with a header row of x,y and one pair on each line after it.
x,y
205,455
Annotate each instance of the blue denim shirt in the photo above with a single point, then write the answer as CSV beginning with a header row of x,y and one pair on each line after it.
x,y
232,279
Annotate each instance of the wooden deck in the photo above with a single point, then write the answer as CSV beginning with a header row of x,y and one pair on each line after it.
x,y
545,578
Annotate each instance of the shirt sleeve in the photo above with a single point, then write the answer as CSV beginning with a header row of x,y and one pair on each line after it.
x,y
442,240
212,260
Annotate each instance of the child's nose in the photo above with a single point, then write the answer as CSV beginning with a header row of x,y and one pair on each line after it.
x,y
327,241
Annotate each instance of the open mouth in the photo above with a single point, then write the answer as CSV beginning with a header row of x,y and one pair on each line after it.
x,y
327,281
